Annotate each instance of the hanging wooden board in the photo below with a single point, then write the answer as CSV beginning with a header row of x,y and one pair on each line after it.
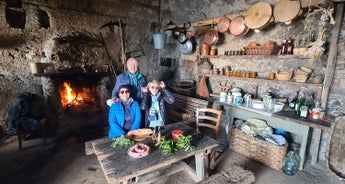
x,y
286,10
258,15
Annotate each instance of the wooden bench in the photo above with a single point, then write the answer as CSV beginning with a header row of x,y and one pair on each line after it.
x,y
184,108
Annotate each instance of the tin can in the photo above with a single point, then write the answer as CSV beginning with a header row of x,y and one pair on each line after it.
x,y
238,100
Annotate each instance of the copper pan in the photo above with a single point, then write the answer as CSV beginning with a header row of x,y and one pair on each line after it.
x,y
238,27
211,37
223,24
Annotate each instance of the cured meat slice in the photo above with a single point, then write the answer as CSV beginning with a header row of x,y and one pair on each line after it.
x,y
138,150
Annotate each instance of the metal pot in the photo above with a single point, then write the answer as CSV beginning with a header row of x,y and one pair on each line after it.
x,y
238,27
186,48
223,24
211,37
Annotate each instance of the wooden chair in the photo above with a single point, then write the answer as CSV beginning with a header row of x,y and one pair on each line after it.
x,y
210,119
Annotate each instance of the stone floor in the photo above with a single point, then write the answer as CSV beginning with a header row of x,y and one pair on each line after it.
x,y
63,160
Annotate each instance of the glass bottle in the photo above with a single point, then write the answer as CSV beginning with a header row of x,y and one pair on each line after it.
x,y
299,103
283,50
289,46
292,161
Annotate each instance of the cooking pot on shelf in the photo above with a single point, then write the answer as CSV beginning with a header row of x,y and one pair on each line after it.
x,y
258,16
238,27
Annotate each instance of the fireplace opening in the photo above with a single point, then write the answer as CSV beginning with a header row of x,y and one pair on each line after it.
x,y
79,96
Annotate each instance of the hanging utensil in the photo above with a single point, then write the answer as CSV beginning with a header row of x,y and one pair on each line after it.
x,y
123,54
223,24
286,10
238,27
258,16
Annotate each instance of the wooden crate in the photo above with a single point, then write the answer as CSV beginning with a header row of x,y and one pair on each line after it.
x,y
259,150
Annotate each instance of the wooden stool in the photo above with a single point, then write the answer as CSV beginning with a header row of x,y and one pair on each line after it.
x,y
42,130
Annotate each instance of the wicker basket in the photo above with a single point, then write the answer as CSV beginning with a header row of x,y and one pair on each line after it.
x,y
262,151
262,50
301,78
284,75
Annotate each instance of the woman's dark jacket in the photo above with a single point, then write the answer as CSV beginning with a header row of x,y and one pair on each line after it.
x,y
165,97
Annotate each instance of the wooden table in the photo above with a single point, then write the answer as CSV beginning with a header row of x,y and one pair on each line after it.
x,y
282,120
119,167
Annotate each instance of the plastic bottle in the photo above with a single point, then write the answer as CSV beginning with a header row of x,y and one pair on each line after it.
x,y
292,161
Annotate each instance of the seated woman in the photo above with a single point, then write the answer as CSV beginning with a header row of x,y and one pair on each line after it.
x,y
153,102
124,114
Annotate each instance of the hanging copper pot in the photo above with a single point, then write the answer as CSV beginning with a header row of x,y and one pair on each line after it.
x,y
238,27
211,37
258,16
223,24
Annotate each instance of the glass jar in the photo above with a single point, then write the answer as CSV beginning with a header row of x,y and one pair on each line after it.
x,y
292,160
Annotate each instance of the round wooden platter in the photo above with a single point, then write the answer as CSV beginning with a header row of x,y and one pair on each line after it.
x,y
286,10
258,15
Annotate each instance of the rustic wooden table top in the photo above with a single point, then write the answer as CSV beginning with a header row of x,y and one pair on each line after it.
x,y
118,166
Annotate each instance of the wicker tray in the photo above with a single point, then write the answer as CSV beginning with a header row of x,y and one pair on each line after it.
x,y
262,50
262,151
335,151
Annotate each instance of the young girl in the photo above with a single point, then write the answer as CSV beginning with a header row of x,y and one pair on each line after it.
x,y
153,102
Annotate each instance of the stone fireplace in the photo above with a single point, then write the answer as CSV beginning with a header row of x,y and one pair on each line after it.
x,y
77,100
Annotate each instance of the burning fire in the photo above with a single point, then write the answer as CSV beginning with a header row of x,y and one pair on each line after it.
x,y
79,97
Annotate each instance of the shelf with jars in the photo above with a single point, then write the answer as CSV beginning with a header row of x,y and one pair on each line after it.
x,y
260,57
260,80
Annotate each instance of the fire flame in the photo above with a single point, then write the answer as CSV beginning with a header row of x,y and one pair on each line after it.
x,y
76,98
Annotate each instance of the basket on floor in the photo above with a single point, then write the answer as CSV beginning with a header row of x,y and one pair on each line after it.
x,y
259,150
335,151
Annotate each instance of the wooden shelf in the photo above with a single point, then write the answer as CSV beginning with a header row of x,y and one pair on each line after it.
x,y
259,57
68,74
260,80
304,4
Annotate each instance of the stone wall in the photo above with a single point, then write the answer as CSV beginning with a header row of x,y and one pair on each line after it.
x,y
70,40
203,10
19,47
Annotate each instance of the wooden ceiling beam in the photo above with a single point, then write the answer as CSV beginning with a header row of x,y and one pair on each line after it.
x,y
304,4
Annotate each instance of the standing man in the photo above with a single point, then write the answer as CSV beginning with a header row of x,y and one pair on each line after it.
x,y
131,77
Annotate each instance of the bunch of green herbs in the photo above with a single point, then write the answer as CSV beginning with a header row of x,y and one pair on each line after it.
x,y
169,146
121,142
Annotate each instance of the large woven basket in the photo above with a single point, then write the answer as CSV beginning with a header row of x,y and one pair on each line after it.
x,y
335,151
262,50
262,151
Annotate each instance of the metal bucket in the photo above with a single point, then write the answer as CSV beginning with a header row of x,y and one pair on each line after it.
x,y
159,40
